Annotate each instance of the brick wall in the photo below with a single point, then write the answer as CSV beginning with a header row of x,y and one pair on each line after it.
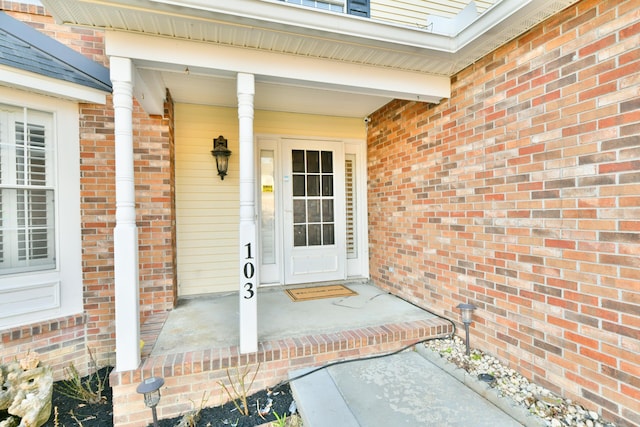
x,y
63,340
521,195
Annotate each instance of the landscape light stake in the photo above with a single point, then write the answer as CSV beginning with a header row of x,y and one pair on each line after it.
x,y
467,317
150,388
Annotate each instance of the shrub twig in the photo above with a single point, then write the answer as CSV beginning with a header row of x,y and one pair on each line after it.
x,y
90,390
239,388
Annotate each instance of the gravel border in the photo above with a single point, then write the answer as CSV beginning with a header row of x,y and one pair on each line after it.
x,y
528,403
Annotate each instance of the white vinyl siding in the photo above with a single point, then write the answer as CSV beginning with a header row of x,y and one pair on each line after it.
x,y
40,236
414,13
207,208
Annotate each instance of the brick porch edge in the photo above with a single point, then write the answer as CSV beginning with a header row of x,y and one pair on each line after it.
x,y
192,376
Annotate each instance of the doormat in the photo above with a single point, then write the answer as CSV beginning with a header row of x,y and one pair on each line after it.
x,y
319,292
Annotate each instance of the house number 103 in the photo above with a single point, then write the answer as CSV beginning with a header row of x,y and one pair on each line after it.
x,y
249,271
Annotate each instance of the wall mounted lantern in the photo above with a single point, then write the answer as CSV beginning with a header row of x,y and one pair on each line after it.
x,y
150,388
466,310
222,154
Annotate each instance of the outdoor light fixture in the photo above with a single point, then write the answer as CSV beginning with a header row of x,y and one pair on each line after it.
x,y
467,317
150,388
222,154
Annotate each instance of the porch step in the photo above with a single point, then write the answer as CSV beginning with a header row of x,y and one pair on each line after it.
x,y
404,389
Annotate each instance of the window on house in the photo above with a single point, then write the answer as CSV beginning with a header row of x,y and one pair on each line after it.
x,y
27,191
40,218
334,6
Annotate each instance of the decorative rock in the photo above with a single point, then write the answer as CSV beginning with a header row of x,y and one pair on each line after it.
x,y
25,393
556,411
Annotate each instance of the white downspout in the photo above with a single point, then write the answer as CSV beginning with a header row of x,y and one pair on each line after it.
x,y
248,248
125,235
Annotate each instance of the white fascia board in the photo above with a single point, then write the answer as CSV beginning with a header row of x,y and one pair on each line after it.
x,y
37,83
354,77
490,21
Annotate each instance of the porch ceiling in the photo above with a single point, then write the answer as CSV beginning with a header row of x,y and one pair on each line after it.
x,y
295,31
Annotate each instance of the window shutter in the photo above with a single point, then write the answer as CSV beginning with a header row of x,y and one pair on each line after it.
x,y
358,8
350,193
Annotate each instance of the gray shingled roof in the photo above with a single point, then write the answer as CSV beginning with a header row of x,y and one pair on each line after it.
x,y
25,48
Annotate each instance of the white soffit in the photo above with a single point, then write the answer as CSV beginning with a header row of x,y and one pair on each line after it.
x,y
276,26
305,59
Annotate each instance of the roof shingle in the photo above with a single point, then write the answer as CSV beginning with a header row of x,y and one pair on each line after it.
x,y
24,48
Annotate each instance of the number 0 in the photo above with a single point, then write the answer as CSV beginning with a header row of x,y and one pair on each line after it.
x,y
249,270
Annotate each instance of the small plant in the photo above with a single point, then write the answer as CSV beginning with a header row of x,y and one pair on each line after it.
x,y
476,356
191,418
239,387
88,391
281,421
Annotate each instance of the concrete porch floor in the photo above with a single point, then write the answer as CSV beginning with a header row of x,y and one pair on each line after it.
x,y
195,346
213,321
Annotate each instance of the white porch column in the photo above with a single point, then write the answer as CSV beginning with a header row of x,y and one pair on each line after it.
x,y
125,235
248,248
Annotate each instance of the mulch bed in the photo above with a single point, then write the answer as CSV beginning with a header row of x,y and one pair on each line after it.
x,y
71,412
228,415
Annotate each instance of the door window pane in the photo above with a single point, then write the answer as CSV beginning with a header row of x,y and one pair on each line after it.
x,y
299,235
267,206
314,210
313,185
327,211
327,162
328,234
327,185
315,237
297,160
313,162
298,185
299,212
313,204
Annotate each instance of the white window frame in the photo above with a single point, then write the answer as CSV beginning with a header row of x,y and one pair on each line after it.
x,y
34,296
14,183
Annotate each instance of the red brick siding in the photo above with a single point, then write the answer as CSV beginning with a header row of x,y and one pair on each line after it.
x,y
521,195
59,342
153,163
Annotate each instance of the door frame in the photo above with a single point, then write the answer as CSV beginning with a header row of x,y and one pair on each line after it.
x,y
357,265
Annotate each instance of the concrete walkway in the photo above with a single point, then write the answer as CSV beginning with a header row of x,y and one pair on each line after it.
x,y
405,389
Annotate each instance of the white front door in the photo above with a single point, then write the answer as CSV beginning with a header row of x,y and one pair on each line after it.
x,y
314,213
302,211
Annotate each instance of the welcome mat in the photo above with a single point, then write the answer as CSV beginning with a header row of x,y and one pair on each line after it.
x,y
319,292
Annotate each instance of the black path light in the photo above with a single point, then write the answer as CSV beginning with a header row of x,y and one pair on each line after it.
x,y
466,310
150,388
222,154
